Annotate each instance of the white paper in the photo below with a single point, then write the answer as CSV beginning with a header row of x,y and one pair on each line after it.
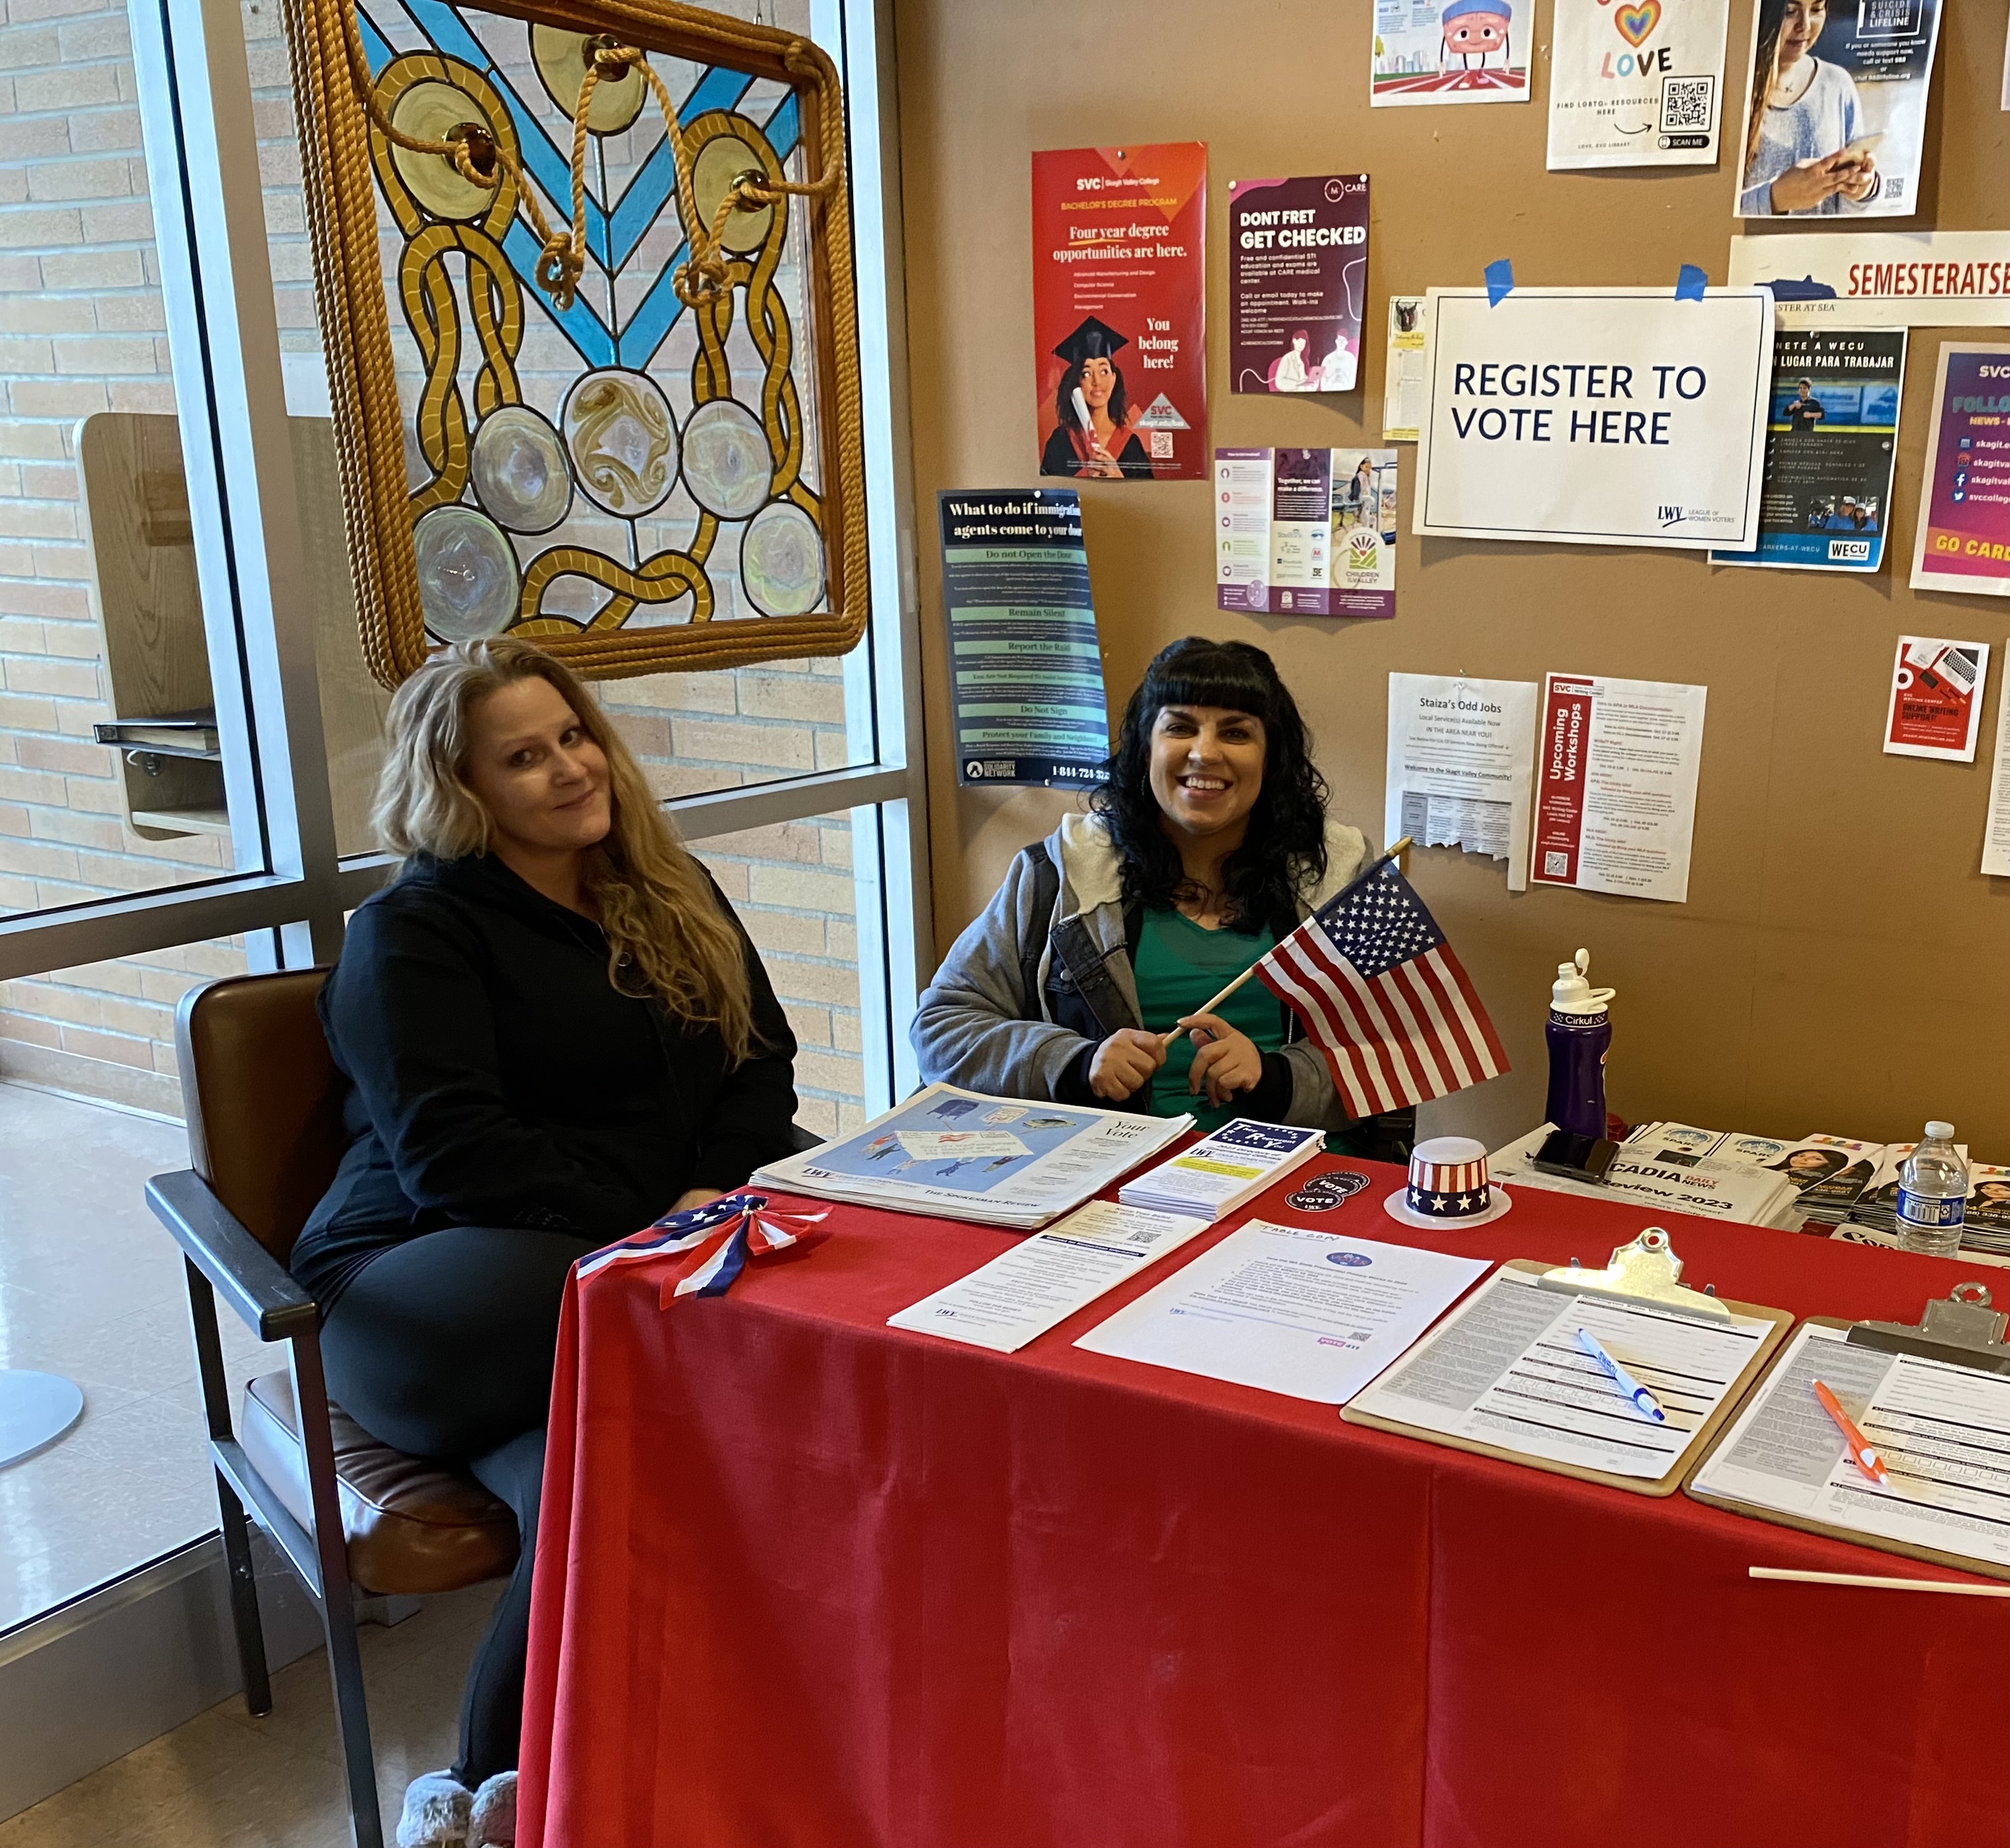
x,y
1922,278
1216,1174
1996,833
1596,416
1043,1280
1404,381
1635,86
1943,1432
1616,786
1310,1314
1505,1369
1457,766
1706,1186
930,1155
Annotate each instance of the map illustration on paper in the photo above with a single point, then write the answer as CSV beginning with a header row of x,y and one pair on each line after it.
x,y
950,1142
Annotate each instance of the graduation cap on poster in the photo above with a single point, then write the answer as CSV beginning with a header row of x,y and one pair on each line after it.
x,y
1092,340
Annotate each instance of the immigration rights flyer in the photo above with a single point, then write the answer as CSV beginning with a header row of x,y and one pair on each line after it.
x,y
1963,536
1025,669
1120,359
1830,437
1298,282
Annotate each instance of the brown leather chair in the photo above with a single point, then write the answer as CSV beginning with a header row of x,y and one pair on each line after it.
x,y
265,1122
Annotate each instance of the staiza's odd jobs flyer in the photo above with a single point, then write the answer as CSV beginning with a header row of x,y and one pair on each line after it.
x,y
1120,354
1935,706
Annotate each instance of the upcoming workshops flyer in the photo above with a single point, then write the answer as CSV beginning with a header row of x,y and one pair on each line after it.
x,y
1830,435
1616,786
1119,332
1025,671
1297,281
1636,85
1963,541
1436,51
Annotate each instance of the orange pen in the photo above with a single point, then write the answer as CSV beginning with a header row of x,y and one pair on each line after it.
x,y
1860,1451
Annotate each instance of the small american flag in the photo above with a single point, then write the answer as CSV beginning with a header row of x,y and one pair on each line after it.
x,y
1371,975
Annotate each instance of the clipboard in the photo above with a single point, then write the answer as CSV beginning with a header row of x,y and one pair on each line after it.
x,y
1707,1433
1828,1529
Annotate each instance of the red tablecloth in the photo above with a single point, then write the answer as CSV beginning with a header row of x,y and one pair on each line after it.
x,y
804,1580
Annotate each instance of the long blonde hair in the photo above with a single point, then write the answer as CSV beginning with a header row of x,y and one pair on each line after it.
x,y
666,934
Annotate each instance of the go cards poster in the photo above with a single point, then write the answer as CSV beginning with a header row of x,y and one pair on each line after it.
x,y
1120,356
1431,51
1636,83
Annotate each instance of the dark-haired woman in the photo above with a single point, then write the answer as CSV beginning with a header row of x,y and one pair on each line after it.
x,y
1094,437
1206,842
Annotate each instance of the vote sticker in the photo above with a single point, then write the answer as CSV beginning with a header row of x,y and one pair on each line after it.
x,y
1324,1192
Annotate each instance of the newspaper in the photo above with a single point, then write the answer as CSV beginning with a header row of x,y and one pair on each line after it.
x,y
1700,1184
994,1161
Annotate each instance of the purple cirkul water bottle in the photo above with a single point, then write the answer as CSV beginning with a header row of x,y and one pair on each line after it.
x,y
1579,1034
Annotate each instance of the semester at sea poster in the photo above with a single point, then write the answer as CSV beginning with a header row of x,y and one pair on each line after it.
x,y
1120,359
1297,281
1831,434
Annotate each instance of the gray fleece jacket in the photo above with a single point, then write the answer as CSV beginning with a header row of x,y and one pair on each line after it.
x,y
980,1023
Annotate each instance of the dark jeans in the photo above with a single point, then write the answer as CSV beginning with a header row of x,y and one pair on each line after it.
x,y
443,1346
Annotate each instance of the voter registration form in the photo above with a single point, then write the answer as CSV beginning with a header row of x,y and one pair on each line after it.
x,y
1506,1369
1942,1430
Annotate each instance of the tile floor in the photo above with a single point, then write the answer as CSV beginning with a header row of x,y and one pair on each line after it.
x,y
91,1288
225,1780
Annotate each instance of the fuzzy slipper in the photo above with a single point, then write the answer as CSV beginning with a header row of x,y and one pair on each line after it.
x,y
437,1807
493,1822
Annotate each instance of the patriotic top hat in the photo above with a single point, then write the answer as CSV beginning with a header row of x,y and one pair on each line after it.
x,y
1448,1185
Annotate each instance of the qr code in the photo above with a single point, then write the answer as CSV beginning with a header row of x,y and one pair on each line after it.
x,y
1556,865
1162,444
1894,188
1685,104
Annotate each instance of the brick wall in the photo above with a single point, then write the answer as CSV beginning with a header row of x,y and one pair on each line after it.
x,y
82,330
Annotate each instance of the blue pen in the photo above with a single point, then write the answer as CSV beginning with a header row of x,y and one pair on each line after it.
x,y
1644,1402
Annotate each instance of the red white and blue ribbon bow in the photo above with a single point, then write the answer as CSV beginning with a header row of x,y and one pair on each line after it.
x,y
714,1243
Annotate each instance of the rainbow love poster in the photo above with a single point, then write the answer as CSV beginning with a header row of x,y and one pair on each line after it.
x,y
1636,83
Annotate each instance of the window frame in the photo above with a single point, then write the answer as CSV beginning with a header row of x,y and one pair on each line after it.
x,y
291,890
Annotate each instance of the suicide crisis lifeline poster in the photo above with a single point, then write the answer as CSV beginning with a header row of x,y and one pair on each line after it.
x,y
1120,360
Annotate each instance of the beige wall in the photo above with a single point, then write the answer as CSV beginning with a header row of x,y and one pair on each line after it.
x,y
1840,965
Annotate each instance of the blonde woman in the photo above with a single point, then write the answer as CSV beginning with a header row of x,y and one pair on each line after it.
x,y
555,1031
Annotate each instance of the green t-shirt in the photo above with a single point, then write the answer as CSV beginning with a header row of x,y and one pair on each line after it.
x,y
1180,968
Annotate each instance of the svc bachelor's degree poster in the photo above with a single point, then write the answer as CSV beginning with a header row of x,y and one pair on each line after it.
x,y
1835,117
1635,85
1601,416
1963,538
1830,447
1120,359
1429,51
1298,280
1025,668
1936,705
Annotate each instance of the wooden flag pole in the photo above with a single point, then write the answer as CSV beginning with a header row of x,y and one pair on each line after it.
x,y
1394,853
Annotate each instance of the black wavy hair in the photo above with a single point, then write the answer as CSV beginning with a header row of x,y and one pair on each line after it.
x,y
1118,408
1284,850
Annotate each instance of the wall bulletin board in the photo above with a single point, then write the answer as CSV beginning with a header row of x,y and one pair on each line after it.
x,y
1840,965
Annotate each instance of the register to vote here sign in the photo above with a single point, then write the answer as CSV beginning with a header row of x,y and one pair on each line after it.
x,y
1601,416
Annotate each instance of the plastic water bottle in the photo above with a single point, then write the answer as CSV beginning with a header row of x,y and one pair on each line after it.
x,y
1932,1195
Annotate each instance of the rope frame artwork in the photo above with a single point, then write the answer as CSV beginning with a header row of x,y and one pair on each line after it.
x,y
599,526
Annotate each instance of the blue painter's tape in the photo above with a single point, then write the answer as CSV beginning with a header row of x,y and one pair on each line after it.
x,y
1690,282
1499,281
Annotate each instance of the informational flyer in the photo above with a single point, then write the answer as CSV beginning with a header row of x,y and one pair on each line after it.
x,y
1305,532
1834,121
1298,282
1616,786
1936,704
1880,278
1025,668
1996,833
1458,768
1635,86
1830,443
1962,539
1601,416
1428,51
1405,386
1119,349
